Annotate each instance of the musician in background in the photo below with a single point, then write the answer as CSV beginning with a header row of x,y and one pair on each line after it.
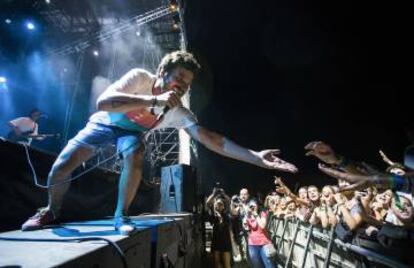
x,y
25,129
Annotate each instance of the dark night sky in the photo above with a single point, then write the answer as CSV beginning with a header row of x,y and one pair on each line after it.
x,y
283,73
278,74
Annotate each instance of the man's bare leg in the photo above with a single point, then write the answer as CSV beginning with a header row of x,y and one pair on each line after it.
x,y
67,161
131,176
130,180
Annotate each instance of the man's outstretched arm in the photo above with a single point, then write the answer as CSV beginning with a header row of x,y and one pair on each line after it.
x,y
224,146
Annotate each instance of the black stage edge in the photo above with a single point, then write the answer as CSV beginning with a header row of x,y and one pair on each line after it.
x,y
93,196
160,240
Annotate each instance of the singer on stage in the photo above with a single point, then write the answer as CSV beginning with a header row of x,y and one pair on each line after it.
x,y
136,103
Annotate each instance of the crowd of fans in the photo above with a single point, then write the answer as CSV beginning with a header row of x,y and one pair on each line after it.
x,y
367,207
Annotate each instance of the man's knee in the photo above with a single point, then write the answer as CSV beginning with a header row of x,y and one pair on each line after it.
x,y
134,159
60,168
68,161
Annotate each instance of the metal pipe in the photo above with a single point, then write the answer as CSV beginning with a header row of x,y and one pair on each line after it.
x,y
330,246
308,239
292,244
280,244
373,255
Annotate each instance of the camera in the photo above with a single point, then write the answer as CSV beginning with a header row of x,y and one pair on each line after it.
x,y
235,199
217,189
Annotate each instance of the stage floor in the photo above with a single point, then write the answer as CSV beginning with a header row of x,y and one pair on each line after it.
x,y
155,235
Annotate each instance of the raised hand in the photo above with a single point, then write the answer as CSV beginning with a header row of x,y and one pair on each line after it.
x,y
377,206
358,182
385,158
340,198
340,175
281,190
268,159
322,151
278,181
281,187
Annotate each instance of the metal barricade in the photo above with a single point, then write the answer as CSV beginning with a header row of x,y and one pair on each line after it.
x,y
324,249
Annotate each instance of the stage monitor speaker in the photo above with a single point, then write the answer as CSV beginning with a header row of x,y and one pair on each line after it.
x,y
178,189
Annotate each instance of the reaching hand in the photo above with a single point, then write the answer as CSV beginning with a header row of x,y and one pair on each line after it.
x,y
322,151
385,158
377,206
268,159
351,178
278,181
340,198
281,190
358,182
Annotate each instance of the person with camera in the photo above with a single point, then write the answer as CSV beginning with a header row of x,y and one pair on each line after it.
x,y
261,249
238,209
218,210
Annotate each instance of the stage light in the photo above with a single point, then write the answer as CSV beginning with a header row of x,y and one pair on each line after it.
x,y
173,5
138,33
47,1
3,84
176,26
95,53
30,26
8,21
177,21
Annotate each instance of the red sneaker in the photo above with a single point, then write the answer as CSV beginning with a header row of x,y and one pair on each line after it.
x,y
43,217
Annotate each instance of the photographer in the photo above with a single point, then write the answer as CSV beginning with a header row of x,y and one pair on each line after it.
x,y
261,249
238,208
218,209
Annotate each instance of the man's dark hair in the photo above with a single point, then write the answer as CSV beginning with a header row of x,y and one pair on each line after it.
x,y
33,111
179,58
313,186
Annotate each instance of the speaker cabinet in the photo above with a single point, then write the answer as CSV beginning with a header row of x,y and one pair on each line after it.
x,y
178,189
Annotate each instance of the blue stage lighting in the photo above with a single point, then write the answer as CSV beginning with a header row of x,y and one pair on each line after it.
x,y
3,84
8,21
30,26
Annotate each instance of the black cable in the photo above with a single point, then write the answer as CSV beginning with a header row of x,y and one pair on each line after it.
x,y
73,178
79,240
144,135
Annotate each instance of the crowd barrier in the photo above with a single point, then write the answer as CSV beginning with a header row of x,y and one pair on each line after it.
x,y
304,245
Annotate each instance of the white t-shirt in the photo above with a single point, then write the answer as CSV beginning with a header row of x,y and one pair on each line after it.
x,y
25,124
141,82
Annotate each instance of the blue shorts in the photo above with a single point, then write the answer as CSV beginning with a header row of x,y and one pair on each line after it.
x,y
95,135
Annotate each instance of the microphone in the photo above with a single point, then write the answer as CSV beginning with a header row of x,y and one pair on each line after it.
x,y
167,108
163,112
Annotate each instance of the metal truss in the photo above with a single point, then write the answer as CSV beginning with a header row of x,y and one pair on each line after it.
x,y
84,21
163,147
128,25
